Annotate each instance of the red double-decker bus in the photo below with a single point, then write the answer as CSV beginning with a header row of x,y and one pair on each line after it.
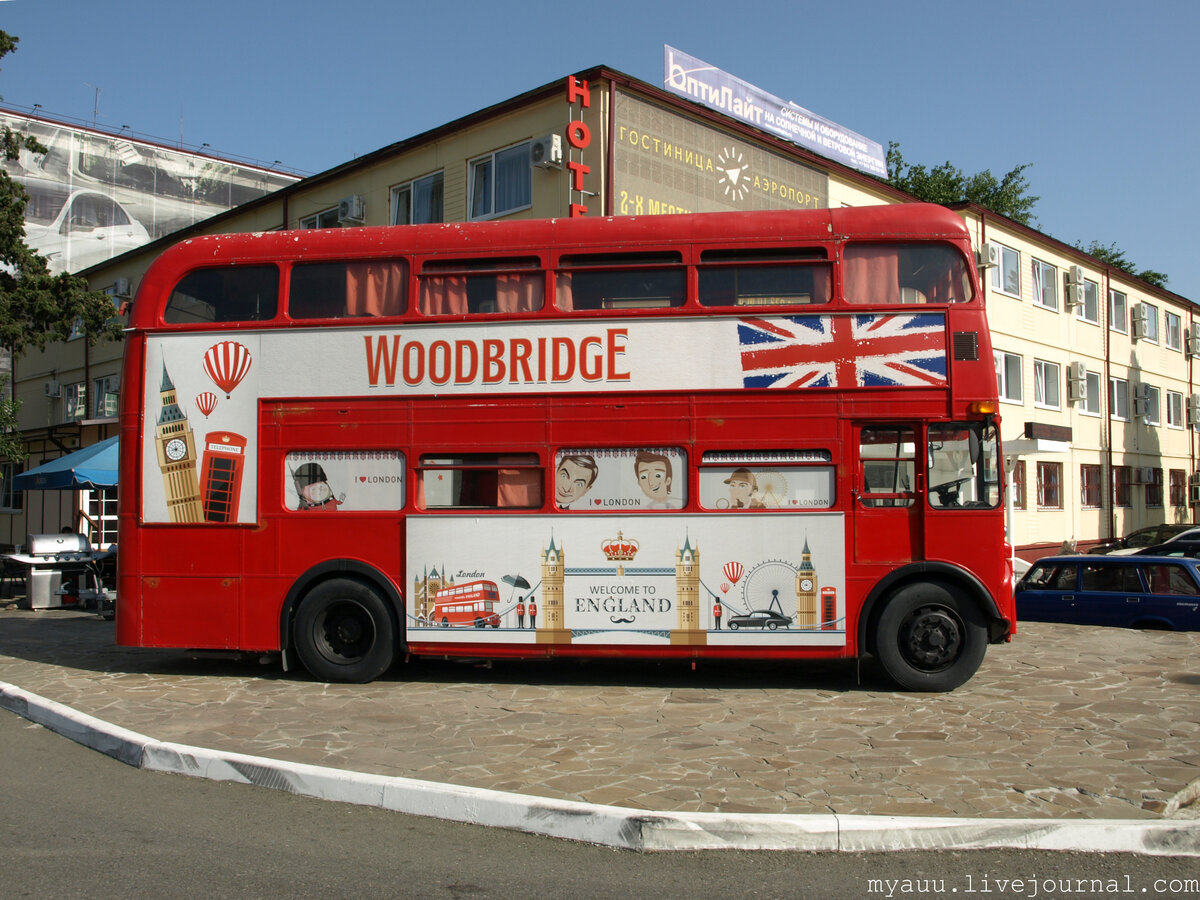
x,y
634,424
472,603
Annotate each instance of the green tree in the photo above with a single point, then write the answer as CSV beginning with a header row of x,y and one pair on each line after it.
x,y
1115,256
36,307
945,184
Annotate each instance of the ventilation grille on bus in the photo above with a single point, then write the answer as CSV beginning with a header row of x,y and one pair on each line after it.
x,y
966,345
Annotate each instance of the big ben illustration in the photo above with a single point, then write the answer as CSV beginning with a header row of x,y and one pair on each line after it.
x,y
177,457
550,629
806,591
687,596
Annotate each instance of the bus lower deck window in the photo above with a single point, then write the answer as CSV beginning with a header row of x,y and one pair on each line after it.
x,y
480,480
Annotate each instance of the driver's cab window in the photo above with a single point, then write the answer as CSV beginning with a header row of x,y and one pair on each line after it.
x,y
887,456
964,470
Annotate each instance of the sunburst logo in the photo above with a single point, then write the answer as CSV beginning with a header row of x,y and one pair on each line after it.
x,y
733,180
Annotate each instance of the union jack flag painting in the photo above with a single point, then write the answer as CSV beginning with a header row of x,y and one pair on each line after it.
x,y
843,351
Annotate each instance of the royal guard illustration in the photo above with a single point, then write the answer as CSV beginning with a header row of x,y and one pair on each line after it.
x,y
521,613
532,613
313,488
717,615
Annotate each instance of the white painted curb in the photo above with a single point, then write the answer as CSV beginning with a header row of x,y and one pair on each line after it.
x,y
612,826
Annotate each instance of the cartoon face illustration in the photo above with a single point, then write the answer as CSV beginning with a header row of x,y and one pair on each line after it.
x,y
574,478
742,485
654,475
313,488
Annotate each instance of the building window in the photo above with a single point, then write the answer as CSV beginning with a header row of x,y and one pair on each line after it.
x,y
1089,486
1049,485
1118,312
1045,384
419,201
1018,484
325,219
74,402
1178,487
1006,277
107,392
1154,489
1148,404
98,514
1122,495
1118,399
1091,399
1045,285
10,500
1173,331
1089,309
1008,376
1174,409
501,182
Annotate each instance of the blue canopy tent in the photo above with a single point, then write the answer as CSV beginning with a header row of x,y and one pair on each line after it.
x,y
91,467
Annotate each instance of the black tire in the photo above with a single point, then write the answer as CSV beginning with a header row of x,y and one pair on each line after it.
x,y
733,626
929,638
344,632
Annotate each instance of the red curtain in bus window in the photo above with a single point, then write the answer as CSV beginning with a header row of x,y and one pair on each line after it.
x,y
822,286
949,285
518,293
375,289
871,274
519,488
445,295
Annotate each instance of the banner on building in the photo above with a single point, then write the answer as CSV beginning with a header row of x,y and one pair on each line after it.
x,y
697,80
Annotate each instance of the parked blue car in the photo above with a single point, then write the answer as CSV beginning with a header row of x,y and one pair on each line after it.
x,y
1125,591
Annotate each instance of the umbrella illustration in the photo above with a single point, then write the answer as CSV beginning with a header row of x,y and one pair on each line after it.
x,y
517,582
226,364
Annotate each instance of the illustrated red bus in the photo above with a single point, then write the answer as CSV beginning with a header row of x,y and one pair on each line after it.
x,y
472,603
630,422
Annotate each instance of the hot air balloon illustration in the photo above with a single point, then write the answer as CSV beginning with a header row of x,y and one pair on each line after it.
x,y
733,571
724,587
226,364
206,403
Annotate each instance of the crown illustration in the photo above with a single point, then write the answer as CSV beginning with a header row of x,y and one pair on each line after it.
x,y
620,548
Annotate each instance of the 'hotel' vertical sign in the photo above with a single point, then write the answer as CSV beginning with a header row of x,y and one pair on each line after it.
x,y
579,137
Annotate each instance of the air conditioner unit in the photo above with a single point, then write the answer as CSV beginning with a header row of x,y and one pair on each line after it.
x,y
53,389
988,256
1074,295
1193,340
1144,475
1193,410
1141,320
1194,495
546,152
1075,275
352,210
1077,381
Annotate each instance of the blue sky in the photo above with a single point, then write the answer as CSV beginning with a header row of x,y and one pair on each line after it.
x,y
1100,97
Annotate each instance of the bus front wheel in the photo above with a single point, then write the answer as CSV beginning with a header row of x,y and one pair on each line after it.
x,y
929,638
344,632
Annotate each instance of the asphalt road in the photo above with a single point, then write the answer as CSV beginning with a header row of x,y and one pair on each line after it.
x,y
76,823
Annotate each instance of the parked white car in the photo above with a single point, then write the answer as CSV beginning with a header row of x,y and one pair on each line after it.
x,y
77,229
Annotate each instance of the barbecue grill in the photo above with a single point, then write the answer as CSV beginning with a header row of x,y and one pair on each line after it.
x,y
52,562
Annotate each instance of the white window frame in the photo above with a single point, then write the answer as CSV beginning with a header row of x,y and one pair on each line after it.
x,y
75,401
1118,403
1047,384
10,499
1118,311
1172,330
1091,400
326,218
1089,309
1005,364
101,387
480,208
1010,262
402,200
1153,399
1175,410
1045,285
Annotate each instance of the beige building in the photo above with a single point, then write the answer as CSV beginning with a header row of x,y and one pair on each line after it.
x,y
1094,366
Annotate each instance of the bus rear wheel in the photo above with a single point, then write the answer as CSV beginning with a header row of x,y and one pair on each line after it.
x,y
928,638
343,632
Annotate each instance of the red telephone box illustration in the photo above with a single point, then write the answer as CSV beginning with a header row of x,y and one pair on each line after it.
x,y
829,609
221,475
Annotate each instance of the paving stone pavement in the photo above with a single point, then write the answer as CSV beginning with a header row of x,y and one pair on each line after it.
x,y
1065,721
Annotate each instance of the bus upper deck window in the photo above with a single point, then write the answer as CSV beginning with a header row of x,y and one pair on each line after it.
x,y
226,294
482,286
620,281
764,277
905,273
351,289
